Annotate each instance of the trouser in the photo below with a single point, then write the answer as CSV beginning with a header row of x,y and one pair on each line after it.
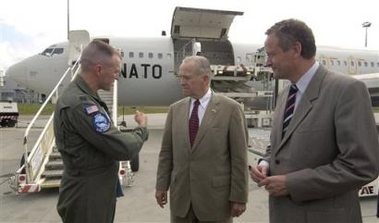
x,y
191,218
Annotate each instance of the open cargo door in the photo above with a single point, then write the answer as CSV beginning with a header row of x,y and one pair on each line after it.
x,y
201,23
78,39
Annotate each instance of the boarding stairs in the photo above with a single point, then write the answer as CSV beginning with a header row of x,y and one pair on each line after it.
x,y
42,166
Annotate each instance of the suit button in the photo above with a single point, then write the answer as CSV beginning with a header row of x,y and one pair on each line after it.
x,y
277,162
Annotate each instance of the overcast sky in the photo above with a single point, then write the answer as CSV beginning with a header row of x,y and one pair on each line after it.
x,y
29,26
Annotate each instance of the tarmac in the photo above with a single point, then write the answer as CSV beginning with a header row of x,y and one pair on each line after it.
x,y
138,204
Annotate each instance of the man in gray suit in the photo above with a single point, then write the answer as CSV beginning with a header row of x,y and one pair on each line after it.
x,y
203,158
324,145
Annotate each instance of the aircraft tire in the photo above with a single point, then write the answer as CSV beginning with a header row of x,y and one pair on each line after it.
x,y
3,123
11,123
134,163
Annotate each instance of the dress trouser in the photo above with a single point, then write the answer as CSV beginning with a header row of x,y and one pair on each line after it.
x,y
191,218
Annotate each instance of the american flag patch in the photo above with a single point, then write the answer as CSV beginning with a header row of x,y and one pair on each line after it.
x,y
91,109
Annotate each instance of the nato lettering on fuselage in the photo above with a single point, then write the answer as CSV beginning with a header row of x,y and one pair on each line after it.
x,y
366,190
143,71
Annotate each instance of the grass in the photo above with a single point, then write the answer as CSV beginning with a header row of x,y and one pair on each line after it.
x,y
31,109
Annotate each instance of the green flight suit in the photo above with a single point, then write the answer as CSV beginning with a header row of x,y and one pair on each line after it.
x,y
91,147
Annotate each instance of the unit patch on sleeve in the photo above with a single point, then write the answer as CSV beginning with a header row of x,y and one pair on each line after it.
x,y
89,109
101,123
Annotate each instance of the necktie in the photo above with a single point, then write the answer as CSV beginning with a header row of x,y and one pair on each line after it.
x,y
290,107
194,122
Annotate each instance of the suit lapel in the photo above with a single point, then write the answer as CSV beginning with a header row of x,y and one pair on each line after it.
x,y
280,115
209,115
183,111
305,105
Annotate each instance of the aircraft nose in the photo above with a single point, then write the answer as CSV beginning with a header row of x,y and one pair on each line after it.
x,y
17,72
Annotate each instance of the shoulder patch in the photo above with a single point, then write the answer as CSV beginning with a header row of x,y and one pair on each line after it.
x,y
89,109
101,123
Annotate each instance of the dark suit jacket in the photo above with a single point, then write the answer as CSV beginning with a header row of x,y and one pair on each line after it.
x,y
329,151
213,172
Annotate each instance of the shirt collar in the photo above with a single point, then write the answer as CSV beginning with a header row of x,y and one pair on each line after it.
x,y
205,99
303,82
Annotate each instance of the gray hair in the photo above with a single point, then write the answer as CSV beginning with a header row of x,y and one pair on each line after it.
x,y
290,31
202,64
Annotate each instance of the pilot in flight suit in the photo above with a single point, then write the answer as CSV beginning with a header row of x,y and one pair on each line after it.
x,y
91,147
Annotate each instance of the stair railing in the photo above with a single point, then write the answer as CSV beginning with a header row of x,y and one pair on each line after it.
x,y
43,145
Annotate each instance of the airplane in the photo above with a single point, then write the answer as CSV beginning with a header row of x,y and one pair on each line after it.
x,y
149,65
372,84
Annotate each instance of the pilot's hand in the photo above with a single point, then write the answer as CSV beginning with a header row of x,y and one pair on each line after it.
x,y
258,173
140,118
161,197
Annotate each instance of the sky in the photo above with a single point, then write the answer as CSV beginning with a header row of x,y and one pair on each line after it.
x,y
27,27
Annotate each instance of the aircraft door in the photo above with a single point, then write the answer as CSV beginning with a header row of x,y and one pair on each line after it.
x,y
352,65
201,23
78,39
249,59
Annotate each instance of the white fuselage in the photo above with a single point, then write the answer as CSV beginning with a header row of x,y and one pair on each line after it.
x,y
149,66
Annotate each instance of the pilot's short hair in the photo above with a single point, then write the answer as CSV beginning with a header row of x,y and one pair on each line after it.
x,y
95,52
202,64
290,31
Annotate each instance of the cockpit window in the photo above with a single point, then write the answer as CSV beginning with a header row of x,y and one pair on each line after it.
x,y
51,50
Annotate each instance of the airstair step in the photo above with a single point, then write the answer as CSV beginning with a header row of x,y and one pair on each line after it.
x,y
52,173
55,149
51,183
55,155
56,164
107,97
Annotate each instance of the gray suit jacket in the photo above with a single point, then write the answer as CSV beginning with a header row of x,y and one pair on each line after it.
x,y
329,151
213,172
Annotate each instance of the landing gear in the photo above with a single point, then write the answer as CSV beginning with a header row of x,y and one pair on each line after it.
x,y
134,163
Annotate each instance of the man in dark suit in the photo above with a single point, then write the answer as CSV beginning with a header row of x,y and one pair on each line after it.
x,y
203,158
324,144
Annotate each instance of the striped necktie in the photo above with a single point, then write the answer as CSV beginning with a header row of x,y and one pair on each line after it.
x,y
194,122
290,107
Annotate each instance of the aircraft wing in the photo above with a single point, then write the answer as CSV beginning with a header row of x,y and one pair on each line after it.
x,y
372,83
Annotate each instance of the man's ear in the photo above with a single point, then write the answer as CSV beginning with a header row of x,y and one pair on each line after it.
x,y
297,49
206,77
98,69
